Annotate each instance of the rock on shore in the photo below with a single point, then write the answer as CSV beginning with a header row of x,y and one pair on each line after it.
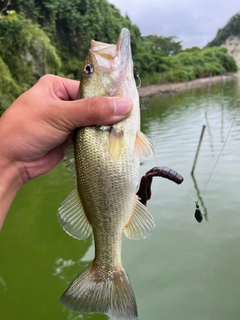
x,y
233,47
153,90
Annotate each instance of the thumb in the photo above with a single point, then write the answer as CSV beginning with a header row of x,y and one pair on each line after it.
x,y
91,111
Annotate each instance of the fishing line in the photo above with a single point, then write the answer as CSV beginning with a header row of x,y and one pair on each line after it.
x,y
150,135
142,107
191,197
198,214
220,151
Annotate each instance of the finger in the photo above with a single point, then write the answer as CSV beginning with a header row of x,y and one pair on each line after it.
x,y
60,88
69,115
66,89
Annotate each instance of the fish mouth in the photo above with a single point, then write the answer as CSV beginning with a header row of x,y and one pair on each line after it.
x,y
124,43
109,56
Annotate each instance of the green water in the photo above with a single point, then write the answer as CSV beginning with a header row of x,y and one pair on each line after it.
x,y
185,270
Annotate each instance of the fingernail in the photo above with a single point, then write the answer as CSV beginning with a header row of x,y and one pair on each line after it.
x,y
122,106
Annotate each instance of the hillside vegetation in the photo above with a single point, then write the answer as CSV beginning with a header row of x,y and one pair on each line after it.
x,y
232,28
157,67
53,36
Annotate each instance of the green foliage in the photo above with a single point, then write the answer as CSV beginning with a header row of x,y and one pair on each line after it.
x,y
189,65
193,49
151,58
26,49
53,36
71,26
231,29
26,54
165,44
9,90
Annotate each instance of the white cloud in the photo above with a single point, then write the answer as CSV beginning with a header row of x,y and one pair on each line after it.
x,y
194,22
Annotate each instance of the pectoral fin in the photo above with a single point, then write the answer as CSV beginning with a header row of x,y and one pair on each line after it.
x,y
141,224
115,143
143,146
72,218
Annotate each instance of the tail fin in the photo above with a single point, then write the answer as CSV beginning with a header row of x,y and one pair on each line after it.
x,y
96,291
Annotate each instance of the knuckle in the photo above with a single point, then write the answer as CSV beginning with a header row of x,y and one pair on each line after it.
x,y
46,78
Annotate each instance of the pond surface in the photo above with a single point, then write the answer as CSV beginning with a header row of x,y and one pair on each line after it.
x,y
185,270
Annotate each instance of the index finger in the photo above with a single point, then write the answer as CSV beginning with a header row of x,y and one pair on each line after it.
x,y
59,88
69,89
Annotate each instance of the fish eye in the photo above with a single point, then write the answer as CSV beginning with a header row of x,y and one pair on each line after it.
x,y
88,69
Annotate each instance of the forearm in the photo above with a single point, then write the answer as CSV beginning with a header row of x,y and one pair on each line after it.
x,y
10,183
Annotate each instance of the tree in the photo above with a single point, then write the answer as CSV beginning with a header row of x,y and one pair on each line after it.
x,y
71,25
166,44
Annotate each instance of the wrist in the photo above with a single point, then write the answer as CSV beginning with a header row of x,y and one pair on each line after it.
x,y
10,183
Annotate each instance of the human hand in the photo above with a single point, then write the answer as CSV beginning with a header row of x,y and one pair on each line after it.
x,y
34,128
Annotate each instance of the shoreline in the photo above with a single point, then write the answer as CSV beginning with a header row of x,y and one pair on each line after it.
x,y
159,89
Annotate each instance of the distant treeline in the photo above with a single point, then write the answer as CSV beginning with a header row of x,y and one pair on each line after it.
x,y
53,36
160,66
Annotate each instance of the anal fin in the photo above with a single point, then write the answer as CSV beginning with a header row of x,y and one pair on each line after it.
x,y
141,224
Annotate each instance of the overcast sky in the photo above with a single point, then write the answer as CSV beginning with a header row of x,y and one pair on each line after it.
x,y
194,22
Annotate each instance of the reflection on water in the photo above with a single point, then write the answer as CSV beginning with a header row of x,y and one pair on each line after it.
x,y
3,284
60,267
73,316
185,270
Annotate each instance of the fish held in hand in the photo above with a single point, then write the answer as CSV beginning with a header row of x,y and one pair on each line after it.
x,y
105,167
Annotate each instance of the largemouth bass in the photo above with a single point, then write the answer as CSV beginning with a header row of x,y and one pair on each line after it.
x,y
106,172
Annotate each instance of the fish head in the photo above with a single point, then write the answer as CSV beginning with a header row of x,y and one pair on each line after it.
x,y
108,69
